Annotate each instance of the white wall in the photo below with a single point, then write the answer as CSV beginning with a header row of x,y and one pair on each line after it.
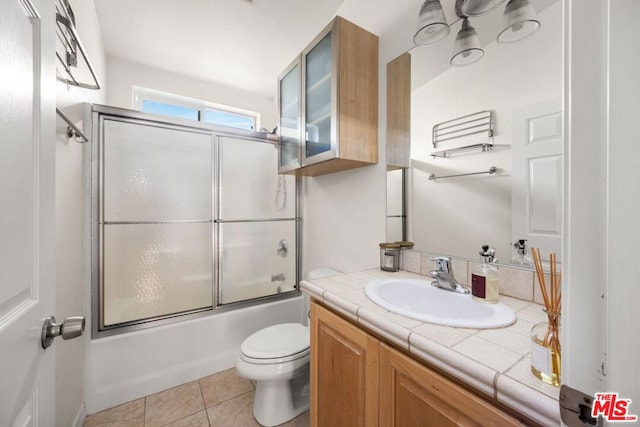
x,y
123,75
343,219
457,216
70,355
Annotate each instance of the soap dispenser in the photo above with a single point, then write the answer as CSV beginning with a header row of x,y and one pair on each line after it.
x,y
484,277
521,257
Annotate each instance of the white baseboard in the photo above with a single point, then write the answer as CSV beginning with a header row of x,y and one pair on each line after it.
x,y
80,416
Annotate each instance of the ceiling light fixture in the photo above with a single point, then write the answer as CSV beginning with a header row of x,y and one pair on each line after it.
x,y
432,24
519,21
476,7
467,48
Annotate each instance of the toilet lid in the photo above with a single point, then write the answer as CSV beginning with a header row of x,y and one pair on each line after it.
x,y
276,341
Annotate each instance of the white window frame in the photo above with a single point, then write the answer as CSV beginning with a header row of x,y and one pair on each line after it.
x,y
141,94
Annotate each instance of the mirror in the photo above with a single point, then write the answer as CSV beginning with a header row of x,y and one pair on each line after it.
x,y
521,84
396,205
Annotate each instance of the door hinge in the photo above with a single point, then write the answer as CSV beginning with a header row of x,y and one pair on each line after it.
x,y
575,408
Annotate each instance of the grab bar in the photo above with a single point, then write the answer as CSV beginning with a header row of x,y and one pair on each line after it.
x,y
491,171
72,130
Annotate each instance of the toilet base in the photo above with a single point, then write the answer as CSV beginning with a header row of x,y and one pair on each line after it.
x,y
277,402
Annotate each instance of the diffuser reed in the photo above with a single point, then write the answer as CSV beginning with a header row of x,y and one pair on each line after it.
x,y
545,350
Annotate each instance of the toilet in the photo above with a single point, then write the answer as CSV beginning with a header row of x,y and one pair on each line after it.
x,y
277,359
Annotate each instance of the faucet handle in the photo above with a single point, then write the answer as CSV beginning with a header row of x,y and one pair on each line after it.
x,y
443,263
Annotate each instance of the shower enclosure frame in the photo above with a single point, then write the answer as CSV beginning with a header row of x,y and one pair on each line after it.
x,y
94,115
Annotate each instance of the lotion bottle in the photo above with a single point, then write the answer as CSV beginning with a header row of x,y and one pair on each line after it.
x,y
484,277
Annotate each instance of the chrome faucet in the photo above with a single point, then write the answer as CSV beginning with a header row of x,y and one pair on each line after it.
x,y
444,276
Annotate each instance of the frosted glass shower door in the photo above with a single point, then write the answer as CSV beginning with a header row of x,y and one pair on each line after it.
x,y
251,265
156,221
249,185
257,225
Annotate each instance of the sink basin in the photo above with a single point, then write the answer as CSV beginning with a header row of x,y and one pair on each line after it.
x,y
420,300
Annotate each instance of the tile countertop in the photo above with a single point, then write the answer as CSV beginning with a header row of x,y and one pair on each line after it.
x,y
494,361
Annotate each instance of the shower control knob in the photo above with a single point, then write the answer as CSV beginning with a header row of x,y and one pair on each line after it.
x,y
283,248
71,327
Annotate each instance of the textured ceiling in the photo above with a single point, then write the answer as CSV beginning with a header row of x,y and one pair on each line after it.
x,y
230,42
237,44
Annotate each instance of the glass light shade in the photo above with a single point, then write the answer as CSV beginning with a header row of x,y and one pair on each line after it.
x,y
519,21
476,7
432,24
467,48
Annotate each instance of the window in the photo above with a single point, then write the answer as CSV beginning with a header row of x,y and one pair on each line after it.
x,y
226,118
170,110
167,104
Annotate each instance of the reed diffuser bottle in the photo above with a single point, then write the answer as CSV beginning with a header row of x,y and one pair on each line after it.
x,y
545,350
545,336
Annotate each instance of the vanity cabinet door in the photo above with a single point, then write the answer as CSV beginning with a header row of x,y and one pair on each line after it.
x,y
412,395
344,372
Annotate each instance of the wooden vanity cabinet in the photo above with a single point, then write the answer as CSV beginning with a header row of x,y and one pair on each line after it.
x,y
412,395
358,380
344,372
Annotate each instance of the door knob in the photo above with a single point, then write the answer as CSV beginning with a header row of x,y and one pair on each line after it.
x,y
71,327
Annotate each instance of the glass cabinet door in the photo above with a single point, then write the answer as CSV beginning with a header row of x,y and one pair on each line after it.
x,y
290,116
318,66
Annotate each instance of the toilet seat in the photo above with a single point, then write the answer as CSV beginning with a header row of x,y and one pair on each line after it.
x,y
276,344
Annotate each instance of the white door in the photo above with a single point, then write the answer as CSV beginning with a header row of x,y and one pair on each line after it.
x,y
27,130
536,178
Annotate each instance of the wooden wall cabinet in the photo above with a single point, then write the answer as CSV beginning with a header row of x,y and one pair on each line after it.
x,y
358,380
399,112
338,112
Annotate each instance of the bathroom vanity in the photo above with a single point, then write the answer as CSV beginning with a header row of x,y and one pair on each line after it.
x,y
371,367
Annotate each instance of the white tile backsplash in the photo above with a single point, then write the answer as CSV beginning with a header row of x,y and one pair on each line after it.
x,y
460,271
410,261
537,292
515,282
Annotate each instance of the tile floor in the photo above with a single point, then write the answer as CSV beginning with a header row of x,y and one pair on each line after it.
x,y
222,399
